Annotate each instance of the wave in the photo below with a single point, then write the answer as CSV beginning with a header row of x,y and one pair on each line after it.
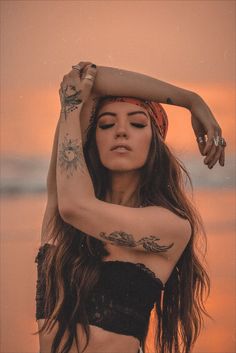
x,y
21,175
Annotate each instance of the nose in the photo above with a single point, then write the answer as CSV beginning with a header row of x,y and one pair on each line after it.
x,y
121,131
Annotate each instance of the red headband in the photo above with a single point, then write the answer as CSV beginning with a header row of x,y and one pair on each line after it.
x,y
154,109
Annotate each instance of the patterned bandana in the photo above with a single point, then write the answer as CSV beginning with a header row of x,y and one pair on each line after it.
x,y
155,110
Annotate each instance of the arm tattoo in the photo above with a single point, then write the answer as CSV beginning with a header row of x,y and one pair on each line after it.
x,y
148,243
169,101
70,103
71,156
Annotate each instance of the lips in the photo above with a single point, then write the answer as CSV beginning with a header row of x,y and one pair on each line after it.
x,y
120,146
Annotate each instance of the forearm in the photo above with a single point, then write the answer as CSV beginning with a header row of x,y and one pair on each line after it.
x,y
117,82
74,184
47,224
51,177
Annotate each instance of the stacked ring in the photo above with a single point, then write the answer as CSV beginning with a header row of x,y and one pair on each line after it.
x,y
216,140
77,67
219,141
201,139
222,142
89,77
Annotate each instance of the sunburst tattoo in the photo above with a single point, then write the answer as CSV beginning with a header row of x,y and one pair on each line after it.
x,y
71,156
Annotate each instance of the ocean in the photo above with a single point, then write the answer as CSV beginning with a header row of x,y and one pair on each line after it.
x,y
21,174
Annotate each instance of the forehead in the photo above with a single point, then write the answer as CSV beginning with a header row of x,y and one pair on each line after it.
x,y
121,107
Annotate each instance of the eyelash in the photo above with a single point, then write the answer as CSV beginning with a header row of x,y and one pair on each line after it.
x,y
107,126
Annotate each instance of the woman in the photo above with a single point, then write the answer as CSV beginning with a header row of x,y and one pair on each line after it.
x,y
119,233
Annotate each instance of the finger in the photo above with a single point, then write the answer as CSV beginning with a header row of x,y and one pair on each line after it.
x,y
201,141
79,73
222,158
199,132
88,80
215,158
89,75
82,65
213,136
211,154
209,143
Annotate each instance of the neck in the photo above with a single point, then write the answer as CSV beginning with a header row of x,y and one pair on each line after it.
x,y
123,188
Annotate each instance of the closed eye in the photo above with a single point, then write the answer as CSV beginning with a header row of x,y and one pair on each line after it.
x,y
106,126
140,126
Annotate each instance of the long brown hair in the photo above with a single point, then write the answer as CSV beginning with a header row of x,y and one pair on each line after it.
x,y
72,267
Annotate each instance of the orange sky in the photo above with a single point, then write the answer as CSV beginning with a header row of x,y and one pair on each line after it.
x,y
187,43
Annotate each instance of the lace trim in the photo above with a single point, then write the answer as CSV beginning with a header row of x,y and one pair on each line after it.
x,y
142,267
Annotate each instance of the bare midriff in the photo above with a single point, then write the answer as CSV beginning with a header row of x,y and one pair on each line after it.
x,y
100,341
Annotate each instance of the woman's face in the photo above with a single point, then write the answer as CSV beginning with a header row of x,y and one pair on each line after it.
x,y
123,136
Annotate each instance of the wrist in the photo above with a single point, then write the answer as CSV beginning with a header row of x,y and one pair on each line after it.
x,y
195,102
72,110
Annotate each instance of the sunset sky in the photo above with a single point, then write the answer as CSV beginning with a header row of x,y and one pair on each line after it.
x,y
191,44
187,43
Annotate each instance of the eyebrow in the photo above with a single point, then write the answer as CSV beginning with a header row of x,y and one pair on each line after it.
x,y
129,114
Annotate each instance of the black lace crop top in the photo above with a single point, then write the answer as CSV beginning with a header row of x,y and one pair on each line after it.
x,y
120,302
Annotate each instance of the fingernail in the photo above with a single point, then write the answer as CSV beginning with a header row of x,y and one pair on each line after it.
x,y
93,66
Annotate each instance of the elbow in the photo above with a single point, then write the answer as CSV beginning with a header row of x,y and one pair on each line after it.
x,y
72,212
67,211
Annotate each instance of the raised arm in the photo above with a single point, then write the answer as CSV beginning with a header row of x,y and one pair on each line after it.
x,y
52,204
117,82
154,229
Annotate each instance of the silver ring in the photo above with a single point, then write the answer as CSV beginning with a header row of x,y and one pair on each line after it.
x,y
77,67
201,139
89,77
222,142
216,140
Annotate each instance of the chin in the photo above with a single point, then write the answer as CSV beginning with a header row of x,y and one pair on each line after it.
x,y
122,167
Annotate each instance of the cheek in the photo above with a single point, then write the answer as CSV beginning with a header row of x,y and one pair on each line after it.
x,y
145,141
144,146
101,142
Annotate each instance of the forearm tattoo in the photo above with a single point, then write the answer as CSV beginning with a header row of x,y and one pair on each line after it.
x,y
71,156
150,243
169,101
70,103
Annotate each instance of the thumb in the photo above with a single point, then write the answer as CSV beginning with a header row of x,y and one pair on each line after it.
x,y
199,132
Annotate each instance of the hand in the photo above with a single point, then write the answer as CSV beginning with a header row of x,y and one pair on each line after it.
x,y
76,87
204,123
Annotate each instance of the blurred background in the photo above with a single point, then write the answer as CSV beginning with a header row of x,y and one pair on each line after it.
x,y
190,44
